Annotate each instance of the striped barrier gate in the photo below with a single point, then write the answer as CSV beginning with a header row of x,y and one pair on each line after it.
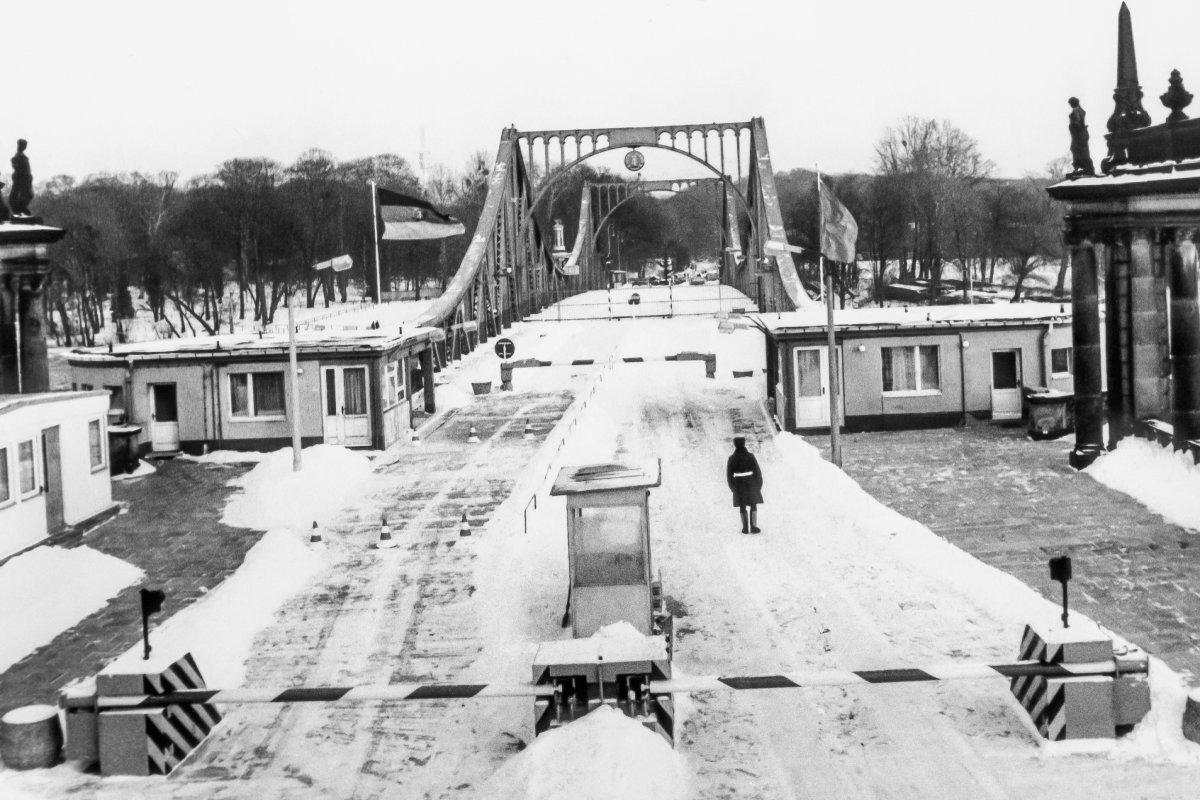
x,y
1072,688
407,692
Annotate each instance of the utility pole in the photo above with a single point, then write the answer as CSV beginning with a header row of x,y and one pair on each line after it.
x,y
295,373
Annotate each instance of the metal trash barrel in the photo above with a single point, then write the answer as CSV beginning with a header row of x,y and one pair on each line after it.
x,y
1051,413
30,737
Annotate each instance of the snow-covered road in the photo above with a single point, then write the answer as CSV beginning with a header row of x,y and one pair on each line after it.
x,y
835,581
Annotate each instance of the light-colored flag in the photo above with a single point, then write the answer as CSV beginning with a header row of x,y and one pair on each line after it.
x,y
839,231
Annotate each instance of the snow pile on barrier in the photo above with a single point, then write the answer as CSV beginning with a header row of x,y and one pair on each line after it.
x,y
219,630
604,756
1163,480
274,496
49,589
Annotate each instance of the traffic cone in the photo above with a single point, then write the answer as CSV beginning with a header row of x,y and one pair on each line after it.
x,y
315,536
473,436
416,438
464,529
385,536
528,430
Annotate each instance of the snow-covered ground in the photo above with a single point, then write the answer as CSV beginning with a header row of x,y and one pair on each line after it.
x,y
836,581
47,590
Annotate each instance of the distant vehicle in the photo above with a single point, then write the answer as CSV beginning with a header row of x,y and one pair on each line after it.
x,y
678,278
635,299
712,275
654,280
637,282
696,280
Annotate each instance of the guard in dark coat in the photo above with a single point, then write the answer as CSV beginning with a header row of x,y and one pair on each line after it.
x,y
745,481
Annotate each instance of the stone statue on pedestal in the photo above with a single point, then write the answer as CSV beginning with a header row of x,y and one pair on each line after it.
x,y
1081,155
22,178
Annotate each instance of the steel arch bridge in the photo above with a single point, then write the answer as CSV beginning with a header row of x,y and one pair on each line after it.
x,y
509,270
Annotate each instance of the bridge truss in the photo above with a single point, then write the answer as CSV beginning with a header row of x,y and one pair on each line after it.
x,y
509,270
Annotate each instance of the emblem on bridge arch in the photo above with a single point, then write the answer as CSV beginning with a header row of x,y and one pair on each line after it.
x,y
634,161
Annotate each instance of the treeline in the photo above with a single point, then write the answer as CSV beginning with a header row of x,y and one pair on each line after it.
x,y
253,223
258,226
932,202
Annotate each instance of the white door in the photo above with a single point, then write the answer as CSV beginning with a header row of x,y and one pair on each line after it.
x,y
347,406
1006,384
812,387
164,418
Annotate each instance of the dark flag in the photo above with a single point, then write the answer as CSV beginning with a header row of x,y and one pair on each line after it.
x,y
839,231
407,218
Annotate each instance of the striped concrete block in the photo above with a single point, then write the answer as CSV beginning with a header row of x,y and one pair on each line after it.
x,y
150,740
1080,707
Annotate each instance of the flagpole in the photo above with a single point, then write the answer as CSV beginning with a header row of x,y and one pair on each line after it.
x,y
375,225
820,236
835,428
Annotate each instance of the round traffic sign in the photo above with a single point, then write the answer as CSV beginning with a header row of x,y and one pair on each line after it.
x,y
505,348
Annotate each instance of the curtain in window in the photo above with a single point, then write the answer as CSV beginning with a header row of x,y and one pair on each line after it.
x,y
899,369
268,394
95,445
239,395
355,383
930,378
25,460
808,373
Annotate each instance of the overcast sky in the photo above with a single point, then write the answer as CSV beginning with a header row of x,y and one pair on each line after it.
x,y
126,85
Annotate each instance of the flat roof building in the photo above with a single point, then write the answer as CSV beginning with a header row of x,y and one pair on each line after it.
x,y
233,391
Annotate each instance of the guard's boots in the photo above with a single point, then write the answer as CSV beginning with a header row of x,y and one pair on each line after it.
x,y
754,521
745,520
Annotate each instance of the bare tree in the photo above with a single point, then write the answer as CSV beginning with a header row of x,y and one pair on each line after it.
x,y
930,165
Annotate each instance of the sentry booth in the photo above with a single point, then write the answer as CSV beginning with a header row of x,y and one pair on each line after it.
x,y
608,536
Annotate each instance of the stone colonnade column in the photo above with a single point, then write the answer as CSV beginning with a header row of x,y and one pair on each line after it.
x,y
1185,338
1085,329
23,367
1147,310
1117,340
9,294
35,368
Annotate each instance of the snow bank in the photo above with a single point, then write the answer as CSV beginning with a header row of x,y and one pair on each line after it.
x,y
229,457
49,589
274,496
219,629
1165,481
604,756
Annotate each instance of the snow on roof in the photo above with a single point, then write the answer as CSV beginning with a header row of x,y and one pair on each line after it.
x,y
580,479
11,402
251,344
16,232
917,316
